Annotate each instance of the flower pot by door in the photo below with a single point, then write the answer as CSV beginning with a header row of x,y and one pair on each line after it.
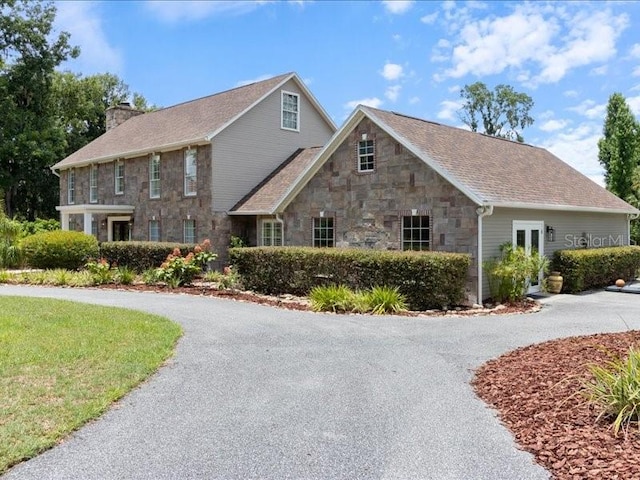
x,y
554,282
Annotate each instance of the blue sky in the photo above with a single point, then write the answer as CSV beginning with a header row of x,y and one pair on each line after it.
x,y
409,57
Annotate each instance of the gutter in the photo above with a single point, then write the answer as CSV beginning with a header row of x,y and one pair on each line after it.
x,y
482,211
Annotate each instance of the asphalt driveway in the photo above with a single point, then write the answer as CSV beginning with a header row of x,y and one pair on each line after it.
x,y
257,392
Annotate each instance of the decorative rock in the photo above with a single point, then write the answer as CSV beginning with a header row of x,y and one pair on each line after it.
x,y
620,283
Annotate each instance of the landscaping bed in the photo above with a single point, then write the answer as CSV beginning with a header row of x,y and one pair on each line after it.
x,y
535,390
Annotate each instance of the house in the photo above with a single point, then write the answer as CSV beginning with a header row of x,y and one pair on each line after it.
x,y
390,181
173,174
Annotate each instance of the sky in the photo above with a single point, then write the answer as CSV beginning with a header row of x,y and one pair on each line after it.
x,y
411,57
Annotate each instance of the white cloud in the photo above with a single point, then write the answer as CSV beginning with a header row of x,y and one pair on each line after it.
x,y
429,19
373,102
84,22
392,71
393,92
546,115
634,104
449,110
601,70
636,72
635,50
414,100
570,93
539,43
398,7
171,11
553,125
259,78
590,109
454,89
579,148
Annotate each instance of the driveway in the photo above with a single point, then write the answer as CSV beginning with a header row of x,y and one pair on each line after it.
x,y
257,392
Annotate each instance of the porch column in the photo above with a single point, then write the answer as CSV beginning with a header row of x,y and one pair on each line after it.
x,y
64,221
88,217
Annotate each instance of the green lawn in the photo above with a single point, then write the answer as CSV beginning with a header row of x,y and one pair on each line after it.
x,y
64,363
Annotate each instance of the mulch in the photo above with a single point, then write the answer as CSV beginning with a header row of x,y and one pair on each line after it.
x,y
536,391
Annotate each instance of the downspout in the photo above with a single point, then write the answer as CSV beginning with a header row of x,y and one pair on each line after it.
x,y
630,216
482,211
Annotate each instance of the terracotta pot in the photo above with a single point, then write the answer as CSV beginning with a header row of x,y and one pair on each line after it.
x,y
554,282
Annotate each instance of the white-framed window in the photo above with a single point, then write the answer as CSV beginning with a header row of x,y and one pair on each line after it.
x,y
154,176
366,156
94,227
290,111
415,232
271,233
190,172
119,177
189,231
93,184
154,230
71,187
323,232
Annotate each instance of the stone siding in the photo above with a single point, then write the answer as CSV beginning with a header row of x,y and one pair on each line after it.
x,y
368,207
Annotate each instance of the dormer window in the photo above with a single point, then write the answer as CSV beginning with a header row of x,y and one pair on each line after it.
x,y
290,111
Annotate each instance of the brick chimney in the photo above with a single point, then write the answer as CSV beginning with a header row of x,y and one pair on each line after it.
x,y
119,114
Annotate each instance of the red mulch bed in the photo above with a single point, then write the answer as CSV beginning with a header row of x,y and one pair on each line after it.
x,y
534,390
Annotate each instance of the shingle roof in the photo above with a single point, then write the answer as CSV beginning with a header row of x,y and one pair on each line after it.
x,y
267,195
498,171
187,122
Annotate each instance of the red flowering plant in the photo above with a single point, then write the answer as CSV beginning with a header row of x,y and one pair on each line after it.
x,y
177,270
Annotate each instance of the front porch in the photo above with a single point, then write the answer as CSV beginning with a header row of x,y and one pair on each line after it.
x,y
116,219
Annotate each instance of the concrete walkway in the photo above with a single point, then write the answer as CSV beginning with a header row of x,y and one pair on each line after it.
x,y
257,392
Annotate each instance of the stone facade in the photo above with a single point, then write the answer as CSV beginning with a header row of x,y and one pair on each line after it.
x,y
118,114
368,207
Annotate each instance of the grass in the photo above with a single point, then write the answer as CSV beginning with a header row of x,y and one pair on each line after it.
x,y
64,363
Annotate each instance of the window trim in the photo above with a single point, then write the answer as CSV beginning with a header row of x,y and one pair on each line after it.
x,y
283,93
363,156
152,180
185,191
71,186
93,183
156,222
272,222
419,242
184,230
118,163
329,242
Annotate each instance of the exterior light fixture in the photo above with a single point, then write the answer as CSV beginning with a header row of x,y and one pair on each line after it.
x,y
551,233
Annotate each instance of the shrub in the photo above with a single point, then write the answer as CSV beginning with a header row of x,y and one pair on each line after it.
x,y
124,276
140,256
585,269
227,279
426,279
381,300
177,270
59,249
10,252
39,225
510,276
615,389
100,271
150,276
332,298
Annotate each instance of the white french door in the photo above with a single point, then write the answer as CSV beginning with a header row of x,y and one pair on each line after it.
x,y
530,235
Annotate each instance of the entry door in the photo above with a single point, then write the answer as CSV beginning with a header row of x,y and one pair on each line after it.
x,y
120,231
529,234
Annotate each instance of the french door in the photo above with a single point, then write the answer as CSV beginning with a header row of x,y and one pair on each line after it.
x,y
529,235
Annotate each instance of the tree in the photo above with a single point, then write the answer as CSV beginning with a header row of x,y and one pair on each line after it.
x,y
503,112
31,139
81,102
619,149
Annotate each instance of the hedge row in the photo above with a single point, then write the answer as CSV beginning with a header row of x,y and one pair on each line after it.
x,y
427,279
140,256
596,267
59,249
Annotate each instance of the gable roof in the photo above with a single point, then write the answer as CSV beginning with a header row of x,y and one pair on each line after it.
x,y
266,196
488,170
189,123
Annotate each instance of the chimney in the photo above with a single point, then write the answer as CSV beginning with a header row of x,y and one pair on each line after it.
x,y
119,114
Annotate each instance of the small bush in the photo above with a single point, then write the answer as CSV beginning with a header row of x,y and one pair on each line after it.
x,y
140,256
150,276
585,269
332,298
427,279
59,249
39,225
381,300
615,389
100,271
510,276
177,270
81,279
124,276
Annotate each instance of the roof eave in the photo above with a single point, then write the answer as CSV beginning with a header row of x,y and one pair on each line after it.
x,y
132,154
249,213
571,208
